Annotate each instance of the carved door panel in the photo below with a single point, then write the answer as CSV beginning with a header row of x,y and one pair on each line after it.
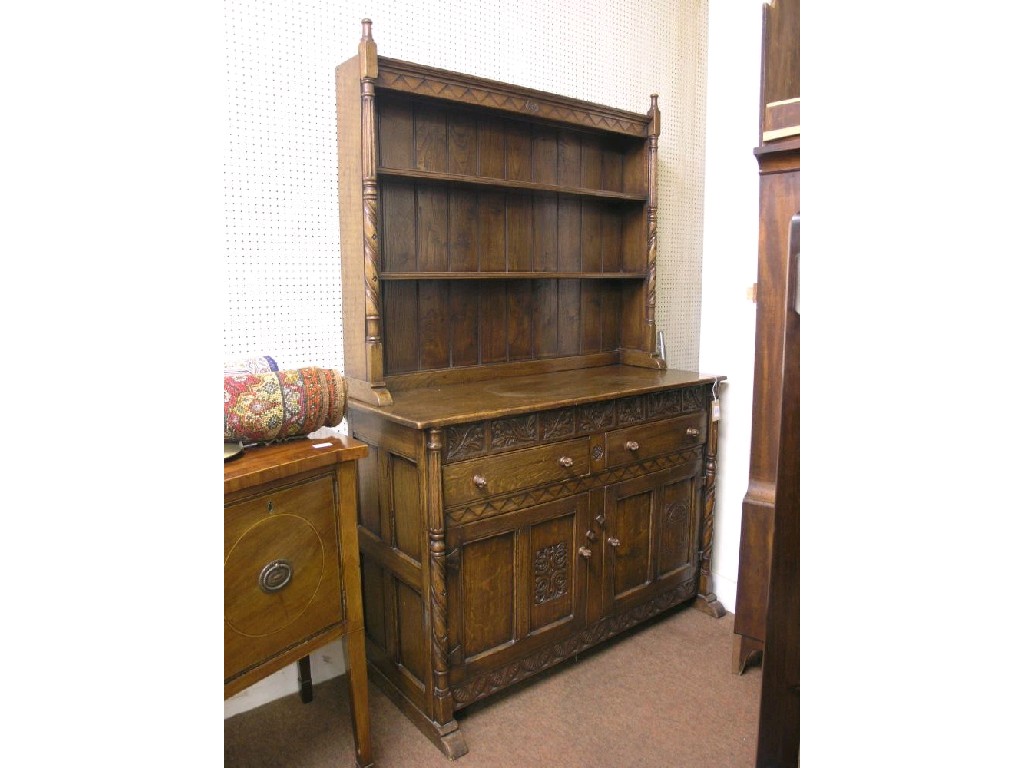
x,y
515,583
650,535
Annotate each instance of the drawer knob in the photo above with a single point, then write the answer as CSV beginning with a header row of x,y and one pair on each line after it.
x,y
613,542
632,445
584,552
565,461
591,536
479,481
599,519
692,432
275,576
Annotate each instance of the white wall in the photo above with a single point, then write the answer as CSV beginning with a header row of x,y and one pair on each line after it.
x,y
730,259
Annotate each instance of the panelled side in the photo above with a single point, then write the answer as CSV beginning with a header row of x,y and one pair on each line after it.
x,y
350,199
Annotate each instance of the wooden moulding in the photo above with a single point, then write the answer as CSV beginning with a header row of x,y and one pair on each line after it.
x,y
417,79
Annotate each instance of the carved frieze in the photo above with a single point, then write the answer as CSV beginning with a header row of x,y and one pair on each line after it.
x,y
630,410
555,425
593,418
466,441
693,399
463,441
515,432
662,404
467,90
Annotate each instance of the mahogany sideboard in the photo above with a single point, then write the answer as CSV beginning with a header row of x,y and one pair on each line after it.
x,y
291,566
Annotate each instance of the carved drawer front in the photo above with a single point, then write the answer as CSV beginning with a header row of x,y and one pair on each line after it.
x,y
281,581
493,475
632,444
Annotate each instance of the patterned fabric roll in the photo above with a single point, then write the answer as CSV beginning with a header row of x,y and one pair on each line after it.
x,y
263,364
260,407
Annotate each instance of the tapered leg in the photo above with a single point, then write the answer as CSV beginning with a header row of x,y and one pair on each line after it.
x,y
359,697
305,681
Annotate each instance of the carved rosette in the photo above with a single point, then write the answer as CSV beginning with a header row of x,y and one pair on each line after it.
x,y
676,512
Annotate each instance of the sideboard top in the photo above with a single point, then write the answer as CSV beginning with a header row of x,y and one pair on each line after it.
x,y
471,401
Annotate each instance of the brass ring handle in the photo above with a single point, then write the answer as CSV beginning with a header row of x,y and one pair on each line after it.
x,y
479,481
613,542
692,432
584,552
275,576
565,461
632,445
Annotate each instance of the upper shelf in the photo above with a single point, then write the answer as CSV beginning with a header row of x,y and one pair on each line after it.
x,y
512,275
493,182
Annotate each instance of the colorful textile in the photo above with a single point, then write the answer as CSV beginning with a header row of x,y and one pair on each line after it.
x,y
277,405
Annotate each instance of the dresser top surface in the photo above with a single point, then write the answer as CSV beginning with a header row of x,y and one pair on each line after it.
x,y
266,463
473,401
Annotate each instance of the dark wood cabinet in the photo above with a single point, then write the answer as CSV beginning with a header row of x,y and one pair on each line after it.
x,y
778,158
768,591
537,481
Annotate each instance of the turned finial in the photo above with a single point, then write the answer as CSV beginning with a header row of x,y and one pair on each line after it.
x,y
654,128
367,53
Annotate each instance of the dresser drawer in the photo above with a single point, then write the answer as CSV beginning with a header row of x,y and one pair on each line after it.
x,y
281,579
493,475
644,441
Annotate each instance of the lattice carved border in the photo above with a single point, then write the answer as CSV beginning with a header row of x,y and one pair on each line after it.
x,y
440,84
570,487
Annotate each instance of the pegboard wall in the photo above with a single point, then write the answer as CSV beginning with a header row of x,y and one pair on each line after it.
x,y
283,261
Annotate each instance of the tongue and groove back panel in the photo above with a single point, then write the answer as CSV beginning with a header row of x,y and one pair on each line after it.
x,y
282,254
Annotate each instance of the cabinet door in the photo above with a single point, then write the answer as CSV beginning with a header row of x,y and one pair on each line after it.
x,y
515,583
650,535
